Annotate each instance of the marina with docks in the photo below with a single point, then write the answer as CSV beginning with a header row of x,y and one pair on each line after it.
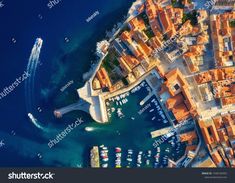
x,y
146,111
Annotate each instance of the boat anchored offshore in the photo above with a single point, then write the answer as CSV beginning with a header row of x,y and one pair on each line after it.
x,y
118,151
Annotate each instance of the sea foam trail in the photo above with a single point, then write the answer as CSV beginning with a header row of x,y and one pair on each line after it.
x,y
39,126
31,69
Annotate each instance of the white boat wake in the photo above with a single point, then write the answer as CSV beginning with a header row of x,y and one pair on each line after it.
x,y
31,69
34,121
29,83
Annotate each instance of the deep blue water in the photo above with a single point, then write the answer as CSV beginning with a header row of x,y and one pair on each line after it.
x,y
21,20
61,63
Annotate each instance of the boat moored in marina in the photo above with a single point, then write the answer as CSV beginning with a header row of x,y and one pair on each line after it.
x,y
118,151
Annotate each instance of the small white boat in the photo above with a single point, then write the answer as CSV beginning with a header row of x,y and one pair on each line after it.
x,y
165,121
158,149
130,152
129,159
105,165
89,129
105,159
147,162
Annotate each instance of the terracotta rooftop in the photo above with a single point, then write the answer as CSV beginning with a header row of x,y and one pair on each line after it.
x,y
188,136
180,103
216,157
103,78
209,132
223,37
136,23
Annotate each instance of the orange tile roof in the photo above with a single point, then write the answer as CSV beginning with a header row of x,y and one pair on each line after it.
x,y
131,61
160,70
215,75
140,50
191,148
228,100
188,100
206,136
191,61
231,131
217,121
181,112
141,9
223,135
165,21
103,77
202,39
174,101
126,36
176,15
221,30
145,48
156,42
186,28
214,133
151,9
176,85
216,157
227,119
172,77
189,137
124,65
136,23
209,132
